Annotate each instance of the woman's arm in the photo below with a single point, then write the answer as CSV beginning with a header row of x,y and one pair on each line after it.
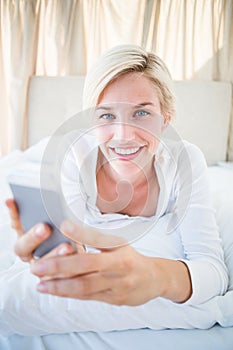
x,y
123,268
177,281
196,223
120,276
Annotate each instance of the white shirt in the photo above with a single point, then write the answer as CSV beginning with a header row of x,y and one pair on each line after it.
x,y
183,228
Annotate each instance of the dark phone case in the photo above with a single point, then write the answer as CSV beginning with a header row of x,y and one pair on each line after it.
x,y
32,211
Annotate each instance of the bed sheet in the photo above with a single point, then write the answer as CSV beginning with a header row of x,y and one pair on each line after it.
x,y
216,338
7,234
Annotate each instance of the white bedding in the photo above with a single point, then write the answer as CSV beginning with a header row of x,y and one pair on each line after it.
x,y
7,234
221,180
216,338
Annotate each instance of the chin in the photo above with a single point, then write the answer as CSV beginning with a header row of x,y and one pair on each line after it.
x,y
129,169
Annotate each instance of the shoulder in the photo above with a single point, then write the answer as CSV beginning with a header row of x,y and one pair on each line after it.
x,y
183,166
194,152
182,154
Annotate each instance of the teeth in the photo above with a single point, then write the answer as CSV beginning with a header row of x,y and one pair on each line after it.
x,y
126,151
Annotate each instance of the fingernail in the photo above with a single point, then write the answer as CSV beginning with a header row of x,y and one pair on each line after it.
x,y
63,251
67,226
40,231
42,287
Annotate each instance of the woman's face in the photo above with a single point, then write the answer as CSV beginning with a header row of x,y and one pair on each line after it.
x,y
129,123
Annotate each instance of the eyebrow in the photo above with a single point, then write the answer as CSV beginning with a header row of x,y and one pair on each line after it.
x,y
143,104
138,105
106,108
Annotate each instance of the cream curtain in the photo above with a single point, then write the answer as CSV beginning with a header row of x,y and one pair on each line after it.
x,y
64,37
18,34
195,39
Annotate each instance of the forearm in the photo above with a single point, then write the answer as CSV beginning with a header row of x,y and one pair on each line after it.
x,y
175,279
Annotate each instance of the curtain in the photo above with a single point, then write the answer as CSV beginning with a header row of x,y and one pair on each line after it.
x,y
64,37
18,32
195,39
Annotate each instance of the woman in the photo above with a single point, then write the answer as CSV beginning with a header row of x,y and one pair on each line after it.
x,y
137,177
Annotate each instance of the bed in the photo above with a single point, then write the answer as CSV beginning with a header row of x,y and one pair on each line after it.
x,y
203,118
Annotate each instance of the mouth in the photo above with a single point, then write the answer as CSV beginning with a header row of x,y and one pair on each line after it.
x,y
126,153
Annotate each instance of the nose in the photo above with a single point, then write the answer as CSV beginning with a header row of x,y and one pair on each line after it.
x,y
123,131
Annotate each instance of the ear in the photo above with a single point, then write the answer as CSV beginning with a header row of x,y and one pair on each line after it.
x,y
167,119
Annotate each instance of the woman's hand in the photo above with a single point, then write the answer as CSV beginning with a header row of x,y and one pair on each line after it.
x,y
27,243
118,276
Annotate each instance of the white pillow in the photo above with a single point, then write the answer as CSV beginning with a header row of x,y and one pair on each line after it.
x,y
35,152
221,185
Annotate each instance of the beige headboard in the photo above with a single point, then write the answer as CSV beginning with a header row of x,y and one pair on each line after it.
x,y
203,111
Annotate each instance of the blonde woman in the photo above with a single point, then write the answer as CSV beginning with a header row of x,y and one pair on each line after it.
x,y
134,177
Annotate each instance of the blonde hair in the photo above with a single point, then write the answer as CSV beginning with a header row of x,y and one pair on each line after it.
x,y
124,59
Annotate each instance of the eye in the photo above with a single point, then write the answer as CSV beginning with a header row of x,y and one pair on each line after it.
x,y
141,113
107,116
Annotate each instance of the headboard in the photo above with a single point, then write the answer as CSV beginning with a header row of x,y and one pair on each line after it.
x,y
203,111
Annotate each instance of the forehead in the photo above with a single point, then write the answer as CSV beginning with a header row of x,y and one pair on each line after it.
x,y
132,88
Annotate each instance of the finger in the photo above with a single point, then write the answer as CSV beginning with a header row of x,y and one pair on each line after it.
x,y
14,214
61,250
80,287
90,237
69,266
79,264
26,244
72,288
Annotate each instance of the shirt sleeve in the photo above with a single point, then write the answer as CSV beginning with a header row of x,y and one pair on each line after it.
x,y
195,220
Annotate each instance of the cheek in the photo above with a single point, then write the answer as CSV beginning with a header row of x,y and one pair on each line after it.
x,y
103,133
154,127
150,131
151,137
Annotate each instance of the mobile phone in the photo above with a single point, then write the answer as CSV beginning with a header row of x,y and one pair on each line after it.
x,y
33,210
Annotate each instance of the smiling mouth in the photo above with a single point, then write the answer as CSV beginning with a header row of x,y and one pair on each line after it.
x,y
126,152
